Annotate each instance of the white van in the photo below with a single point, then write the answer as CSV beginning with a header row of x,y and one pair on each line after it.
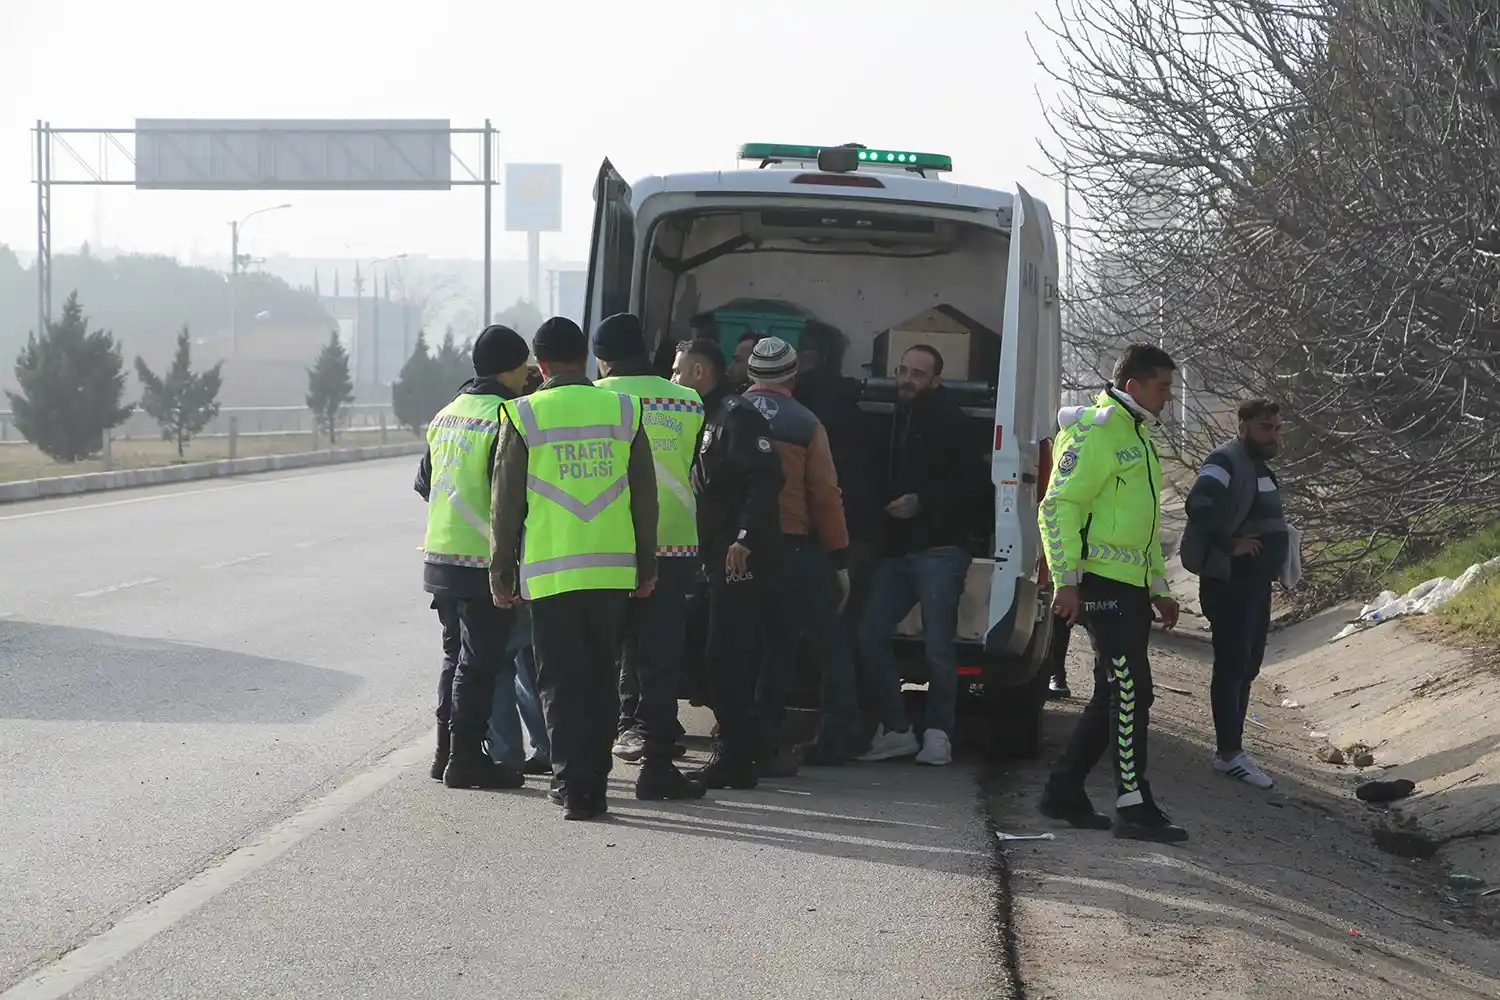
x,y
864,240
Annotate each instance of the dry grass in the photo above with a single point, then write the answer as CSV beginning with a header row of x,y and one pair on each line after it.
x,y
23,461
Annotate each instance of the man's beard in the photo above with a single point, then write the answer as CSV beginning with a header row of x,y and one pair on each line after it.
x,y
1261,451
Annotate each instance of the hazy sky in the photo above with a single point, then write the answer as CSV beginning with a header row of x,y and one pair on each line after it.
x,y
656,85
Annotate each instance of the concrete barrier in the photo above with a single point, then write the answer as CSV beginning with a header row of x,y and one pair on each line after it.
x,y
94,482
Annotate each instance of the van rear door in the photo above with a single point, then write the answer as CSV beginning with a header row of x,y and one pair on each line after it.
x,y
611,252
1014,594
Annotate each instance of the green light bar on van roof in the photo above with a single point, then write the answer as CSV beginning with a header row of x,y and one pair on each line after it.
x,y
885,157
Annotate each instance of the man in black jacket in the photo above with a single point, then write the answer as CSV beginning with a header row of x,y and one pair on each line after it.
x,y
737,480
499,358
834,399
930,489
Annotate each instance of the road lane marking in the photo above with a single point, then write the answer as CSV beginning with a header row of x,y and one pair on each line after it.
x,y
237,562
102,952
127,585
154,497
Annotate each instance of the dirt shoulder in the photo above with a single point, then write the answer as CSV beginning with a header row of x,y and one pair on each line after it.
x,y
1279,894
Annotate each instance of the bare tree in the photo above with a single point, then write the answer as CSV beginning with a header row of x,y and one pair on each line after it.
x,y
1299,198
434,294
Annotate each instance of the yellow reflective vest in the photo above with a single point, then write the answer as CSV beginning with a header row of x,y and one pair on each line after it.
x,y
578,534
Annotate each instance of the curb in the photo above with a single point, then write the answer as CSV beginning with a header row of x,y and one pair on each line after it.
x,y
97,482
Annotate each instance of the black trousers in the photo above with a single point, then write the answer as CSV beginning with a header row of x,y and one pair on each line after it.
x,y
1240,613
447,612
484,633
651,655
576,638
1118,618
733,659
1062,632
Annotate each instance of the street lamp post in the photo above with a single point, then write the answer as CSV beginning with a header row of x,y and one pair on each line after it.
x,y
375,315
234,273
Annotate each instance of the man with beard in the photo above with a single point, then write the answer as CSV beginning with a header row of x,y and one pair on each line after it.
x,y
1237,542
928,490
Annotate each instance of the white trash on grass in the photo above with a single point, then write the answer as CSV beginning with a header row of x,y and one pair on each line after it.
x,y
1422,599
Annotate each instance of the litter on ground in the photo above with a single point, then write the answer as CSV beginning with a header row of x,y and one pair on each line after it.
x,y
1423,599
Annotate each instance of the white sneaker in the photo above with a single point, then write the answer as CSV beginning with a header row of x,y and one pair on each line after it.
x,y
1243,768
889,746
937,749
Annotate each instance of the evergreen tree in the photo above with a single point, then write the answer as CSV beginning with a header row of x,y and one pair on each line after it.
x,y
183,402
420,390
71,386
454,364
329,386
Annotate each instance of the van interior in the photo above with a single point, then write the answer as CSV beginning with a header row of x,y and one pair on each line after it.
x,y
857,287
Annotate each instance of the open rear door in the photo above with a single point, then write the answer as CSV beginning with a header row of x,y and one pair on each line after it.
x,y
611,252
1014,607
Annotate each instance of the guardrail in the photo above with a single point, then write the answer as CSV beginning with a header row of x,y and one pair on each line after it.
x,y
248,420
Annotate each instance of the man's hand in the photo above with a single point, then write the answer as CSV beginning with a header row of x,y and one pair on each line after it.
x,y
737,561
503,598
1166,611
1249,545
644,590
843,578
904,508
1065,604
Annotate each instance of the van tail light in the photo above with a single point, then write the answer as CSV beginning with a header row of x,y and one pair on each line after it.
x,y
999,436
1043,476
970,670
838,180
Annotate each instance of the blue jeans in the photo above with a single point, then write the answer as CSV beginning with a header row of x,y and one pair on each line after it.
x,y
516,702
934,579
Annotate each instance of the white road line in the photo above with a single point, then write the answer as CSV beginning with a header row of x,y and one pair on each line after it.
x,y
143,581
102,952
236,562
150,499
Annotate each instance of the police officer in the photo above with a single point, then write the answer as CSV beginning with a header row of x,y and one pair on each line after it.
x,y
1107,481
655,627
454,479
737,480
574,471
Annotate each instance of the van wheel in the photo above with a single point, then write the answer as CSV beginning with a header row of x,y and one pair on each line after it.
x,y
1015,719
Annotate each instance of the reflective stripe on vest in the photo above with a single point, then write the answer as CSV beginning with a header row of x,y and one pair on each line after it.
x,y
577,542
460,440
673,418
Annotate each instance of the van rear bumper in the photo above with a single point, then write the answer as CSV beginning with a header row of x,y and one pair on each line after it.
x,y
1010,655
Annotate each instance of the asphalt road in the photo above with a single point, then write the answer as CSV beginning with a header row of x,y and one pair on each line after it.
x,y
214,712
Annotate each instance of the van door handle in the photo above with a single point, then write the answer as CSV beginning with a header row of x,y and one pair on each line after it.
x,y
1028,477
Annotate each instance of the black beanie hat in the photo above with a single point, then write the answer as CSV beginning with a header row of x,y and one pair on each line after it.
x,y
619,337
498,350
560,340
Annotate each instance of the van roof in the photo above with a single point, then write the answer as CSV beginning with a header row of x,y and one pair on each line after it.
x,y
908,188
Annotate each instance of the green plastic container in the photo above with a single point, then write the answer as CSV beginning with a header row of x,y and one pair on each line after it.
x,y
733,322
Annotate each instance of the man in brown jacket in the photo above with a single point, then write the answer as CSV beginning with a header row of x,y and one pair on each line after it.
x,y
575,632
812,584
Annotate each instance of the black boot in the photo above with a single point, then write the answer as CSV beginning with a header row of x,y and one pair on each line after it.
x,y
727,770
1071,805
660,781
583,802
1147,822
440,758
470,767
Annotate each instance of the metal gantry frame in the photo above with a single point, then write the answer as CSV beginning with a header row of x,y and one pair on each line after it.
x,y
113,156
